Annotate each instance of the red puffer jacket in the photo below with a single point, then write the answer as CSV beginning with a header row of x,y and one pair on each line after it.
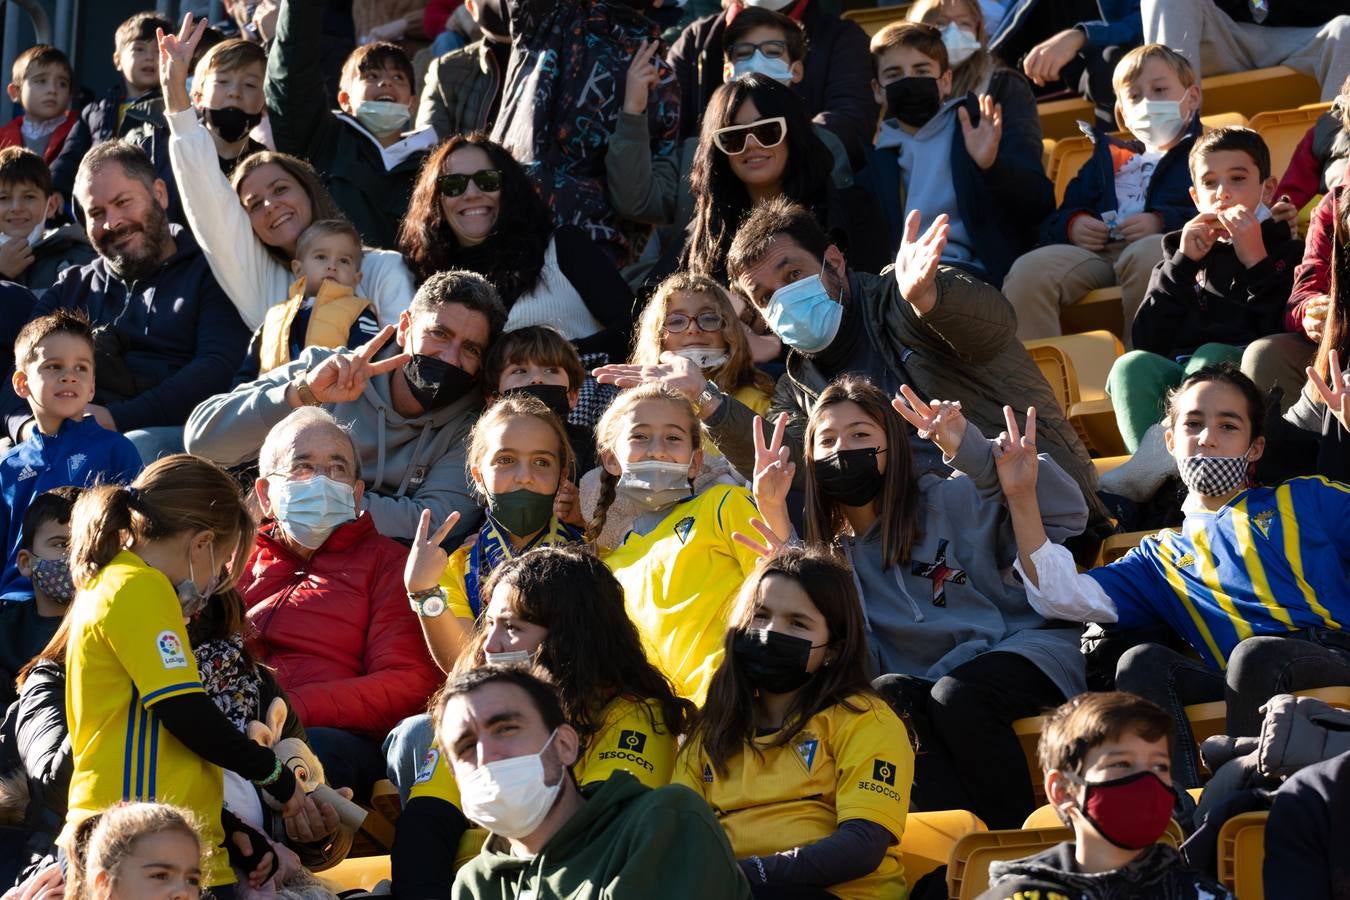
x,y
338,630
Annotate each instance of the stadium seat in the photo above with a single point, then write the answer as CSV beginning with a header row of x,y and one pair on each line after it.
x,y
357,874
1098,310
1242,851
1332,696
1283,129
873,20
384,798
929,838
1117,545
1207,719
968,867
1028,733
1046,817
1076,366
1104,464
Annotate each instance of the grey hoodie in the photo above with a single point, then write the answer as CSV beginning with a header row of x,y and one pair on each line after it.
x,y
957,596
407,464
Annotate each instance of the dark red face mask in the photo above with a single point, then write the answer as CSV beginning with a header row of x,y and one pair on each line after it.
x,y
1130,812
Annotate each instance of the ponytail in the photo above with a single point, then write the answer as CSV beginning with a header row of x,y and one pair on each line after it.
x,y
100,525
608,489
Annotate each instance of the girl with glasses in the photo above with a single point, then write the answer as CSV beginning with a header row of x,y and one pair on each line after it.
x,y
474,208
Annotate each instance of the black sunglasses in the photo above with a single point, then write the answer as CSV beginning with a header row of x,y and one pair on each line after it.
x,y
489,180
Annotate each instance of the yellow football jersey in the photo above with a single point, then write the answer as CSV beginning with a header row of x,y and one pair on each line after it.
x,y
680,580
452,579
129,650
843,765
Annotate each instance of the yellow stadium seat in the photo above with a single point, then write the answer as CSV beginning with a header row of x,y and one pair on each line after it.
x,y
1098,310
1104,464
357,874
1283,129
1332,696
874,19
1242,851
968,867
1117,545
1060,118
1028,733
1207,719
1045,817
1076,366
384,798
929,838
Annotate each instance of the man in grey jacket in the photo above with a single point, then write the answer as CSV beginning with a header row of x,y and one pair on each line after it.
x,y
409,407
935,328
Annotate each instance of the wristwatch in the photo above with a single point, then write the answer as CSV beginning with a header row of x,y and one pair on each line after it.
x,y
303,390
710,393
429,603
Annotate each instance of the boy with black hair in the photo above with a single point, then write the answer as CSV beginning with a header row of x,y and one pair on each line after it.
x,y
367,159
41,84
31,254
27,624
1107,764
54,372
940,154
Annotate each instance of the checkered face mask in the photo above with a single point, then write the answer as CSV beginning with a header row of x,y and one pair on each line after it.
x,y
1214,476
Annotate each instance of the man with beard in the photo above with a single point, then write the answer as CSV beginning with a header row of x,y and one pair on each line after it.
x,y
409,404
166,336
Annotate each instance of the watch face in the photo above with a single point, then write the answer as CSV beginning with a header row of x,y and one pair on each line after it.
x,y
433,606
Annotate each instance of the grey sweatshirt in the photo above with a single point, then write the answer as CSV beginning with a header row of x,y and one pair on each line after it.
x,y
407,464
957,595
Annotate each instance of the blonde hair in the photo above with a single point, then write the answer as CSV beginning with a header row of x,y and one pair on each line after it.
x,y
171,495
608,431
1132,63
509,407
739,369
230,55
103,842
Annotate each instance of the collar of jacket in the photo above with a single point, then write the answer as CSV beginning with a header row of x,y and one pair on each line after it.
x,y
346,537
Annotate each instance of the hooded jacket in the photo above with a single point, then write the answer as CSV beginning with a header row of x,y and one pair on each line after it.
x,y
1159,873
166,341
36,744
408,464
1312,278
57,250
626,841
337,629
463,90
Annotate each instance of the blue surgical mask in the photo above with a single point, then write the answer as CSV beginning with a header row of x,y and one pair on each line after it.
x,y
804,315
780,70
961,44
383,117
312,509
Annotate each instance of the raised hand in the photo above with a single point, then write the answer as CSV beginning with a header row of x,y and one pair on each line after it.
x,y
567,504
774,469
1337,394
426,559
941,421
643,75
767,547
1043,62
982,139
674,372
917,262
175,62
1015,455
342,377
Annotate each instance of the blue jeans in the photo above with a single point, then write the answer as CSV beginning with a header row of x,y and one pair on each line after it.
x,y
404,749
1258,669
349,760
152,443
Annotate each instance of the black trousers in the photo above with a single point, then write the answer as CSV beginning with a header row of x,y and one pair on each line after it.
x,y
967,754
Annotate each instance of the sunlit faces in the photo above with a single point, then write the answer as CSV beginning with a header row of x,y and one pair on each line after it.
x,y
138,63
1224,179
451,332
1126,754
766,40
1156,81
125,220
786,262
958,11
758,167
23,207
45,92
60,381
278,207
315,449
522,373
693,310
161,866
473,214
782,605
386,83
845,426
1212,418
51,541
329,257
895,63
242,88
655,429
507,631
500,721
521,453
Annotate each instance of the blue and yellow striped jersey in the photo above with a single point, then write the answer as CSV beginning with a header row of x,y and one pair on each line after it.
x,y
1272,560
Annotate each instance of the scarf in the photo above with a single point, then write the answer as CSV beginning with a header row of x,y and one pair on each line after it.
x,y
494,548
233,685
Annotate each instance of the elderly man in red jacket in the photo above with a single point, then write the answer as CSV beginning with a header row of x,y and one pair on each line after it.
x,y
326,604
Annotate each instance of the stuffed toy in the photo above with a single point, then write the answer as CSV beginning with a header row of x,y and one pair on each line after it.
x,y
296,755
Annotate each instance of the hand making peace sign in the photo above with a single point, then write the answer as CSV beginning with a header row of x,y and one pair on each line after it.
x,y
1015,455
342,377
1335,395
940,421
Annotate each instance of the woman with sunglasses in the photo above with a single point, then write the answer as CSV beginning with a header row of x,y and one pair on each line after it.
x,y
757,143
473,207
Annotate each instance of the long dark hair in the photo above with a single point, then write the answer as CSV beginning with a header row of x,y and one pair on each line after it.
x,y
898,503
726,725
1336,331
721,200
511,258
592,651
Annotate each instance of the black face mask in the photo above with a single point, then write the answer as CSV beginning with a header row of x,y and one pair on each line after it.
x,y
772,661
913,100
849,477
231,123
554,396
434,383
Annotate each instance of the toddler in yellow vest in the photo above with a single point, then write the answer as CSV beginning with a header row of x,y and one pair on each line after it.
x,y
322,309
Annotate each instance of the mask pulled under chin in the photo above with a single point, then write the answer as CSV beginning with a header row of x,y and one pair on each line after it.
x,y
192,598
703,357
508,796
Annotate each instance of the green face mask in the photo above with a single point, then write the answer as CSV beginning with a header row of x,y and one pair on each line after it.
x,y
521,512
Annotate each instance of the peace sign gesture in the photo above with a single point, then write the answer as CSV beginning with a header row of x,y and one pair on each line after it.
x,y
342,377
1015,455
941,421
175,60
426,558
643,75
768,546
774,469
1337,394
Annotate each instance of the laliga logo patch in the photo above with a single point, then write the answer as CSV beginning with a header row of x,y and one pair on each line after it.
x,y
683,527
883,772
428,766
171,650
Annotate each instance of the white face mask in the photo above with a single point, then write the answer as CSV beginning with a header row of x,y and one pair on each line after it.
x,y
960,43
509,658
780,70
508,796
703,357
310,510
1157,122
653,483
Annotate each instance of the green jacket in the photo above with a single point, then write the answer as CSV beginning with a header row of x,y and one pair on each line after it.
x,y
461,90
627,841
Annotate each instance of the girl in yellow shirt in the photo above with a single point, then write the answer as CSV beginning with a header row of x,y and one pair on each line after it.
x,y
808,770
139,850
146,558
560,609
